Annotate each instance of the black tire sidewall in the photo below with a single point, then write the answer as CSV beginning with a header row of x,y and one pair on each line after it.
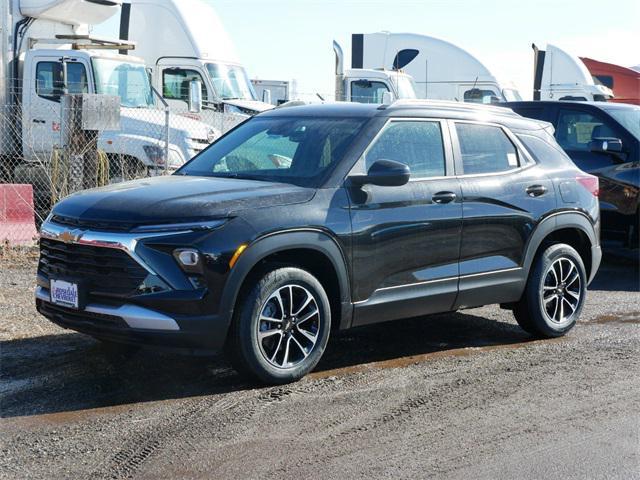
x,y
540,319
251,307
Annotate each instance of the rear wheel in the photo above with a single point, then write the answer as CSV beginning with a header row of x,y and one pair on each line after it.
x,y
555,293
281,327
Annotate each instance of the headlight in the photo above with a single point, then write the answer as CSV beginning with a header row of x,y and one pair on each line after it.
x,y
180,227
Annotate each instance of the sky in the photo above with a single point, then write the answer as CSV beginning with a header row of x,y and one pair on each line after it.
x,y
292,39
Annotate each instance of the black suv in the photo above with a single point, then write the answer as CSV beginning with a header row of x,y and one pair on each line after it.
x,y
603,139
312,218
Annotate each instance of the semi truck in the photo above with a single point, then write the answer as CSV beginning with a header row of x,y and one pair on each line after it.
x,y
47,52
183,42
624,82
363,85
560,75
440,69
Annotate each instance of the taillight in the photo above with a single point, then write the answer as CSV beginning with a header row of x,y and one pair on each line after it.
x,y
589,182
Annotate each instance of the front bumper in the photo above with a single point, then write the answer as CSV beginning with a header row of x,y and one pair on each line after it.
x,y
136,325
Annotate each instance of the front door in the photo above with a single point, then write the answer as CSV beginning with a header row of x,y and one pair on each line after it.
x,y
41,122
505,194
406,240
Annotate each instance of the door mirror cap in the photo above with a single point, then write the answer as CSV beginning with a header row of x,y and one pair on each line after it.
x,y
384,173
195,96
605,145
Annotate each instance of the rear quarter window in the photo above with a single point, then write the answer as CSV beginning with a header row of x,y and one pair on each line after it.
x,y
543,151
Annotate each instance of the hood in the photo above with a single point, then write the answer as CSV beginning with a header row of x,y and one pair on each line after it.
x,y
252,105
176,199
150,122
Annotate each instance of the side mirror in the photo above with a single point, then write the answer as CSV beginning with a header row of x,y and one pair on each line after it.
x,y
266,96
605,145
385,173
195,96
387,98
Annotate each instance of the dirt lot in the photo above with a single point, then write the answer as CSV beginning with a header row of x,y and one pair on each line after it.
x,y
465,395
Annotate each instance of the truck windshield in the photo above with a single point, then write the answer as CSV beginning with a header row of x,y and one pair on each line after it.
x,y
297,150
405,85
230,82
629,118
129,81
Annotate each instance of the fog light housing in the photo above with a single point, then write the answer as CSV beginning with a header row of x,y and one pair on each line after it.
x,y
189,259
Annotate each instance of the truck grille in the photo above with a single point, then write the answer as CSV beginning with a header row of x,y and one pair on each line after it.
x,y
104,271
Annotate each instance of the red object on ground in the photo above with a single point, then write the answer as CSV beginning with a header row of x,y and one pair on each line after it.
x,y
625,82
17,219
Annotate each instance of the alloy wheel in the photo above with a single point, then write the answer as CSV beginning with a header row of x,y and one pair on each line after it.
x,y
288,326
561,291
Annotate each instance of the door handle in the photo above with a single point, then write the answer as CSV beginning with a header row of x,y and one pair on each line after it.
x,y
443,197
536,190
37,120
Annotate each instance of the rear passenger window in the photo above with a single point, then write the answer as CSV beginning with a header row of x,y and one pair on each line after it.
x,y
485,149
416,144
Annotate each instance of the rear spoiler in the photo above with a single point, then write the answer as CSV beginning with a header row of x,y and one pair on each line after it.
x,y
538,68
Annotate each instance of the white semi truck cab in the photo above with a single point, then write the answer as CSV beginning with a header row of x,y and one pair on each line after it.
x,y
184,41
440,69
370,85
559,75
52,54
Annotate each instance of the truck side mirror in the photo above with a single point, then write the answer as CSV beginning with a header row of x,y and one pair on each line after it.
x,y
266,96
605,145
195,96
387,98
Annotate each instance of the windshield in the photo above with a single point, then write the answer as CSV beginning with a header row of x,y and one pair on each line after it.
x,y
405,85
629,118
230,82
299,150
129,81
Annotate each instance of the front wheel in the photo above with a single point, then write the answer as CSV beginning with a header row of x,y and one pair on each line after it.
x,y
555,293
281,326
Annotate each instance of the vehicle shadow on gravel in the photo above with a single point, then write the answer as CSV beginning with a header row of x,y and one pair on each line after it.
x,y
70,372
618,273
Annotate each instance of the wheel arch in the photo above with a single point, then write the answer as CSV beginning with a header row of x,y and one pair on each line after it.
x,y
572,228
313,250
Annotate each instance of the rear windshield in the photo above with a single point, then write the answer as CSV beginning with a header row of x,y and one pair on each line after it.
x,y
297,150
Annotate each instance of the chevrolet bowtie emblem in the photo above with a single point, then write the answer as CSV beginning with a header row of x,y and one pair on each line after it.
x,y
70,236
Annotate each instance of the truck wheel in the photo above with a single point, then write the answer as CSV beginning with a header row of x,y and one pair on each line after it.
x,y
281,326
555,293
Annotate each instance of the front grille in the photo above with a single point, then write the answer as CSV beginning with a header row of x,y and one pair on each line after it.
x,y
103,271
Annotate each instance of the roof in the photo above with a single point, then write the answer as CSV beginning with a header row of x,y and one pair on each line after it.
x,y
410,108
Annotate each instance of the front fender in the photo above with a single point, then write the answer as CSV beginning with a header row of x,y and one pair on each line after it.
x,y
281,241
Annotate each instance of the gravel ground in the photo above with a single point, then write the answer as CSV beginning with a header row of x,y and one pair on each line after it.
x,y
465,395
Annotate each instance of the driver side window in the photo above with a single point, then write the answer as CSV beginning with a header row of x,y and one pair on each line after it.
x,y
175,83
365,91
417,144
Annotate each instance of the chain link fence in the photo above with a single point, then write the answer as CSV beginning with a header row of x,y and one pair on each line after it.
x,y
61,144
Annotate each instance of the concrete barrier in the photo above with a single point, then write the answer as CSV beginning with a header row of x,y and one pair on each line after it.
x,y
17,220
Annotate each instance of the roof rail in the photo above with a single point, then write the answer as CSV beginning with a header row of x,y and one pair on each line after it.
x,y
419,102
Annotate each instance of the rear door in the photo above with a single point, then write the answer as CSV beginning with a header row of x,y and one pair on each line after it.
x,y
505,193
406,240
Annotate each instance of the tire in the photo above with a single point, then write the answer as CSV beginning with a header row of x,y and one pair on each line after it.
x,y
553,298
269,344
